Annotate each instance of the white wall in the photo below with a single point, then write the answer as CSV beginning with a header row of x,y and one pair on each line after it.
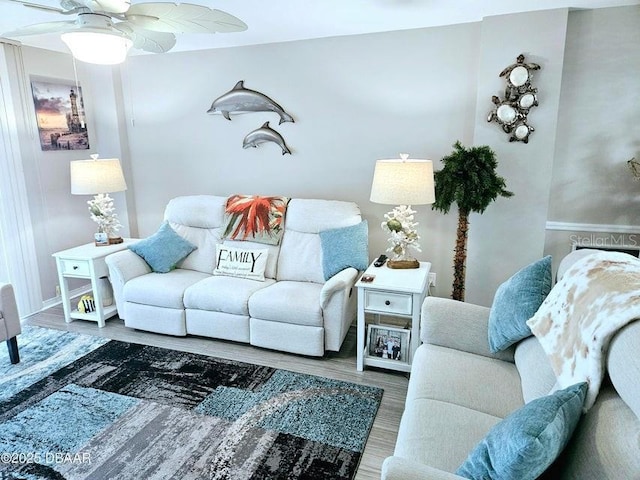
x,y
599,120
510,234
594,198
354,100
60,220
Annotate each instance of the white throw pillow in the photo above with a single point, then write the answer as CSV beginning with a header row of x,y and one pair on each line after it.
x,y
241,263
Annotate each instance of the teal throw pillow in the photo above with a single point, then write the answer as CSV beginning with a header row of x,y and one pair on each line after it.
x,y
516,301
345,247
527,442
164,249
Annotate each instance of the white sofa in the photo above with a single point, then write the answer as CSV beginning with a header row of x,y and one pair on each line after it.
x,y
458,390
293,310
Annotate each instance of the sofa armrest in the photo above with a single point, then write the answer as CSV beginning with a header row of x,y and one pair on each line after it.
x,y
338,303
123,266
10,326
345,279
458,325
397,468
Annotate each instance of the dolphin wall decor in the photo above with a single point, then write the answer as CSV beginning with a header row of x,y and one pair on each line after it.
x,y
265,134
243,100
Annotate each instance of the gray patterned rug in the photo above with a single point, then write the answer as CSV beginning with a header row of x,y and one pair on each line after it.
x,y
86,409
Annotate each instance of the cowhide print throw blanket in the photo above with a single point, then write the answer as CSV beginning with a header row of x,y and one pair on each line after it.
x,y
598,295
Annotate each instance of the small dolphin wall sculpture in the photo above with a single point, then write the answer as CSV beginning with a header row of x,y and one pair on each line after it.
x,y
243,100
265,134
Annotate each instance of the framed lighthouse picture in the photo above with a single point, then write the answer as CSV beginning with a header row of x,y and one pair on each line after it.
x,y
59,107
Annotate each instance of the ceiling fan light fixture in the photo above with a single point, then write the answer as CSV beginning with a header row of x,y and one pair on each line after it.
x,y
102,48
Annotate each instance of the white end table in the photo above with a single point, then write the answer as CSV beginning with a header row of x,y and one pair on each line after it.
x,y
397,293
86,262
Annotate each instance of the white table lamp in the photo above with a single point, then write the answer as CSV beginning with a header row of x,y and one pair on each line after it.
x,y
402,182
99,178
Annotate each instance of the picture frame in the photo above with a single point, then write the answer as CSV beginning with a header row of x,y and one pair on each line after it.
x,y
388,342
60,114
101,239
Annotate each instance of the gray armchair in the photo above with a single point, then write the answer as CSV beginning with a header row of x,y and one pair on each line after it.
x,y
9,321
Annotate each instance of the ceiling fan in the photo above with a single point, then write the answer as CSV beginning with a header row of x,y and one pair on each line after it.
x,y
104,30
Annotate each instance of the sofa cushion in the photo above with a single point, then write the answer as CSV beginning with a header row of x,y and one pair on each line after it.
x,y
440,434
223,294
623,365
288,302
313,216
162,289
199,211
198,219
479,383
535,370
256,218
515,301
605,444
203,258
249,263
164,249
300,257
529,440
345,247
301,250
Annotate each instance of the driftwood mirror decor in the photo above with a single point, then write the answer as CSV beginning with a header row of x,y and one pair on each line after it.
x,y
519,97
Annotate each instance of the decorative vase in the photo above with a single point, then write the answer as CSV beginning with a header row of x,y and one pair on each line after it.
x,y
106,292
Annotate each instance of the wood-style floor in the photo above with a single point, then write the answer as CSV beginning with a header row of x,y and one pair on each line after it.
x,y
340,366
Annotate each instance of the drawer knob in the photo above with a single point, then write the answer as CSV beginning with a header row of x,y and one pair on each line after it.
x,y
387,302
75,267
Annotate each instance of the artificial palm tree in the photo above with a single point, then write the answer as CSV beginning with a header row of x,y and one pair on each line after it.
x,y
469,179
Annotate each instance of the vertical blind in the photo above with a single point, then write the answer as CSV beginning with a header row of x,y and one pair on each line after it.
x,y
18,261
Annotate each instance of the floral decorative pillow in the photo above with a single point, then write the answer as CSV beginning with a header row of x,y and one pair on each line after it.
x,y
255,218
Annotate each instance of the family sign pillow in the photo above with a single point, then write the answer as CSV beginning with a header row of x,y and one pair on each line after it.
x,y
241,263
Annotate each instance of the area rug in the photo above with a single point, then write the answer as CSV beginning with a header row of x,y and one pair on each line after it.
x,y
128,411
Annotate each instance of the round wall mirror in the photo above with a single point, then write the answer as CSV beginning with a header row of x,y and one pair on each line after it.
x,y
507,114
519,76
521,132
527,100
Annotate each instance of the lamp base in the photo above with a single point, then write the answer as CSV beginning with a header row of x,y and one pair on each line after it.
x,y
404,264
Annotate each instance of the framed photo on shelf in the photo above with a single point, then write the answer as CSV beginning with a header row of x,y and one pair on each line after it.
x,y
390,343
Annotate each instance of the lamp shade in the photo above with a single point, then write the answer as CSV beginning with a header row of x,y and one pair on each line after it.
x,y
102,48
403,182
89,177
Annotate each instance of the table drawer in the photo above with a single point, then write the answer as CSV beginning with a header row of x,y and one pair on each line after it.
x,y
388,302
76,267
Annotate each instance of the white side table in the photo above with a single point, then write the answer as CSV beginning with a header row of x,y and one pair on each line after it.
x,y
393,292
86,261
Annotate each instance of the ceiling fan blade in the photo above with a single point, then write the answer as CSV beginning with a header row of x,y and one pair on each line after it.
x,y
108,6
39,6
41,28
183,18
154,42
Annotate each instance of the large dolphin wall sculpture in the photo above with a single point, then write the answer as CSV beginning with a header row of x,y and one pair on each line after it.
x,y
242,100
265,134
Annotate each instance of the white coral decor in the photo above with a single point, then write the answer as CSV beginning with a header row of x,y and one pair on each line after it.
x,y
102,212
399,223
